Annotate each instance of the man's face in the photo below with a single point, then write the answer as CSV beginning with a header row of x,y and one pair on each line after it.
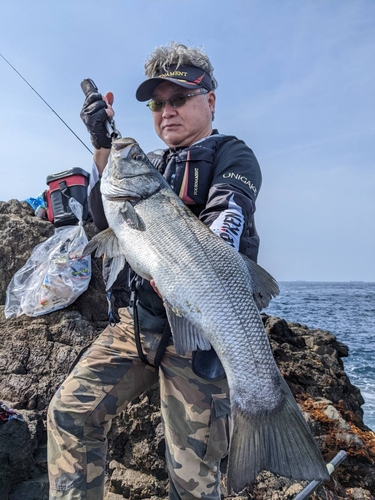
x,y
187,124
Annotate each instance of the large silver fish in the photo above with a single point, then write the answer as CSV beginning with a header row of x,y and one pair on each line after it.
x,y
212,296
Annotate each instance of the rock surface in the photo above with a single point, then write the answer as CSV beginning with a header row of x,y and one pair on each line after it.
x,y
37,353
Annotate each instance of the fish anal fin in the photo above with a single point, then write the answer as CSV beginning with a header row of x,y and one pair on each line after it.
x,y
116,266
186,336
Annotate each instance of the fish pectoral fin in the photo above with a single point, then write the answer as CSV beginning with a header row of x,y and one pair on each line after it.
x,y
131,217
106,243
186,336
265,287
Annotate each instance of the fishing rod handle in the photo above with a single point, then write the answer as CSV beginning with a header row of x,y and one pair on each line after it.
x,y
88,87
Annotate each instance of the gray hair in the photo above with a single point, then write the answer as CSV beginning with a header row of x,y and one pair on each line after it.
x,y
177,54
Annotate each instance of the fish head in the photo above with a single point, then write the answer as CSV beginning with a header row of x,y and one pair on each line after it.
x,y
129,175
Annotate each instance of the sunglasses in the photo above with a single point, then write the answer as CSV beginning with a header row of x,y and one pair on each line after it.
x,y
175,101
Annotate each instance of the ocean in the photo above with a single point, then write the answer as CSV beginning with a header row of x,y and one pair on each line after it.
x,y
348,311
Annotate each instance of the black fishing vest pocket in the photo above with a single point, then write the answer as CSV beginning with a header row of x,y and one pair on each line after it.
x,y
194,174
189,171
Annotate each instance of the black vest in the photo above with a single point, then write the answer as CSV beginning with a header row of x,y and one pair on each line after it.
x,y
189,171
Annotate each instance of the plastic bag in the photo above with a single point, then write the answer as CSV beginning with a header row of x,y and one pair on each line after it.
x,y
38,205
55,275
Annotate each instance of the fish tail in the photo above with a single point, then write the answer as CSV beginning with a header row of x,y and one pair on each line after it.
x,y
279,441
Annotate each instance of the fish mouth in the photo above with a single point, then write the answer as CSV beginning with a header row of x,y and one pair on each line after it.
x,y
122,143
132,199
128,176
115,192
127,149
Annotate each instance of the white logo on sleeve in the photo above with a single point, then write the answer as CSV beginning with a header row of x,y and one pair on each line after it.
x,y
242,178
229,225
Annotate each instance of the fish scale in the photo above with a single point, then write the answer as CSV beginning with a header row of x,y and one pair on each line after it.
x,y
209,291
212,296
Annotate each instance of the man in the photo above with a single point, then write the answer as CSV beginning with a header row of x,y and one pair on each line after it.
x,y
219,178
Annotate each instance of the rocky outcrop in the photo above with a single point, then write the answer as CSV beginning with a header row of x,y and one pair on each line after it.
x,y
37,353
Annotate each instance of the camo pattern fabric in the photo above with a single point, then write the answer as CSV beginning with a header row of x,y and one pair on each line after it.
x,y
110,375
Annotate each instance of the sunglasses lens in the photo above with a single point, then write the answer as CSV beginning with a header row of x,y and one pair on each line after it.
x,y
156,105
178,101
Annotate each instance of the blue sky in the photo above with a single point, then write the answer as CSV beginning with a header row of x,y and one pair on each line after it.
x,y
296,82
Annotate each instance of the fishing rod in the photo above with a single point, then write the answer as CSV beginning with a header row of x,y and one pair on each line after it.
x,y
331,466
45,102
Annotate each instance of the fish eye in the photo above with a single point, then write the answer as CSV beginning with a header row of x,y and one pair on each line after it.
x,y
138,157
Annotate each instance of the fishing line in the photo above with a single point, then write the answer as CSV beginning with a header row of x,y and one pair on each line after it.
x,y
45,102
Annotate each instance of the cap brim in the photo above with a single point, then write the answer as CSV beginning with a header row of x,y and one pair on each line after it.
x,y
146,89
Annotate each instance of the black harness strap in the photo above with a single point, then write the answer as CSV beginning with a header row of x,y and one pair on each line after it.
x,y
137,333
164,339
162,345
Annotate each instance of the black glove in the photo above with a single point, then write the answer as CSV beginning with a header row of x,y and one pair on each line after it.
x,y
94,116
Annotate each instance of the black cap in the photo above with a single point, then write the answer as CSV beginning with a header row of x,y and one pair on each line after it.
x,y
189,77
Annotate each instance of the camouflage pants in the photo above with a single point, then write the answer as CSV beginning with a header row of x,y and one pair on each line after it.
x,y
195,414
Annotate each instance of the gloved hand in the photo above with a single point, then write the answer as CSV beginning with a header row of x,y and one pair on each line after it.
x,y
95,111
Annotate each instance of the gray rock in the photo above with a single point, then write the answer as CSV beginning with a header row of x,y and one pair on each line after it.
x,y
36,355
34,489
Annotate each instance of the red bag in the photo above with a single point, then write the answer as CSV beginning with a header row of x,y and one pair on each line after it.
x,y
71,183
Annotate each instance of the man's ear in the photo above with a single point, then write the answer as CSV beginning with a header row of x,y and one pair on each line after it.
x,y
211,98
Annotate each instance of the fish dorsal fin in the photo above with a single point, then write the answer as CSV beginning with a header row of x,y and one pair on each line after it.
x,y
265,287
106,243
186,336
